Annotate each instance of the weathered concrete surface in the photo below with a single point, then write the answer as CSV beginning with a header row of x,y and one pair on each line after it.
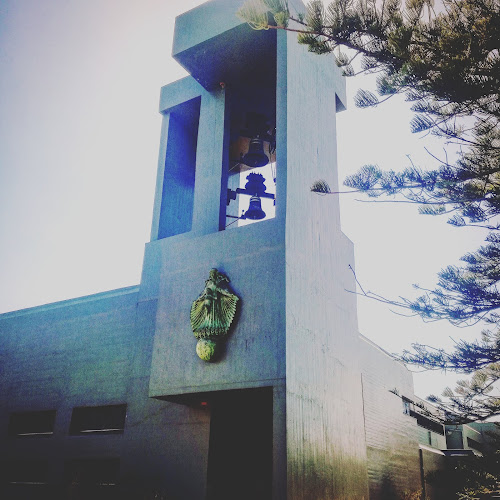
x,y
391,436
97,351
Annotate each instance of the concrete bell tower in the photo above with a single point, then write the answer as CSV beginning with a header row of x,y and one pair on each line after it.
x,y
285,391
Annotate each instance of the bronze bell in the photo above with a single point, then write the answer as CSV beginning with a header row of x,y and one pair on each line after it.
x,y
255,211
255,157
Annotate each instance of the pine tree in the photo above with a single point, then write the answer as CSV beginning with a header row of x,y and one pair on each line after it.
x,y
447,64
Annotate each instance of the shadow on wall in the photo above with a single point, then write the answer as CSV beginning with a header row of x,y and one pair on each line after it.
x,y
388,491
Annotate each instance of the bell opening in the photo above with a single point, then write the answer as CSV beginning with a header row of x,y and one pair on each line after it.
x,y
250,153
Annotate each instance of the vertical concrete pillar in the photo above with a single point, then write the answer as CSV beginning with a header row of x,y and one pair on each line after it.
x,y
326,453
210,161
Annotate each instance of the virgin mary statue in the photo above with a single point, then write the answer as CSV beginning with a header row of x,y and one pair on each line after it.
x,y
212,314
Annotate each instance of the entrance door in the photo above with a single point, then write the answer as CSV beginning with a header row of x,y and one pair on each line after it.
x,y
240,450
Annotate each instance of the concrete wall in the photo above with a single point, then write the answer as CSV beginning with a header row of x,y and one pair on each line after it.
x,y
391,436
325,441
253,258
97,351
433,461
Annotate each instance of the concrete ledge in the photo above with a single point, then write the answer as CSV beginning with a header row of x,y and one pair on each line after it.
x,y
71,302
178,92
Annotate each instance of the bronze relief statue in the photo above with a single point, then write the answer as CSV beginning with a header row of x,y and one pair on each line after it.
x,y
212,314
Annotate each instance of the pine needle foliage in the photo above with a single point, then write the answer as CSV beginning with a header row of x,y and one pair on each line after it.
x,y
446,62
321,187
473,399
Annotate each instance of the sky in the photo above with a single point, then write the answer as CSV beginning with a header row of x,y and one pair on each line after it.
x,y
79,138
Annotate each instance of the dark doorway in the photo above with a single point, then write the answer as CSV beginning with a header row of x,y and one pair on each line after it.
x,y
240,457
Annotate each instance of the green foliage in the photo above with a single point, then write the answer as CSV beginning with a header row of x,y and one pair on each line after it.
x,y
465,357
472,399
255,12
471,478
475,398
466,294
412,495
365,99
321,187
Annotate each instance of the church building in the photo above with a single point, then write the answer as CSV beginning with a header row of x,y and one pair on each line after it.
x,y
235,369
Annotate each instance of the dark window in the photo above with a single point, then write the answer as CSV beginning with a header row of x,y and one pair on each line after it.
x,y
406,406
97,472
92,478
428,423
475,445
98,419
27,472
32,423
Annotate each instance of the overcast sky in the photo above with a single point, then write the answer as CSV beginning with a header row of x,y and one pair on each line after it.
x,y
79,136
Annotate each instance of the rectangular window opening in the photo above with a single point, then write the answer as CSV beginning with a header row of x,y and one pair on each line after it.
x,y
406,406
98,420
27,472
176,212
429,424
32,423
475,445
95,478
92,471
